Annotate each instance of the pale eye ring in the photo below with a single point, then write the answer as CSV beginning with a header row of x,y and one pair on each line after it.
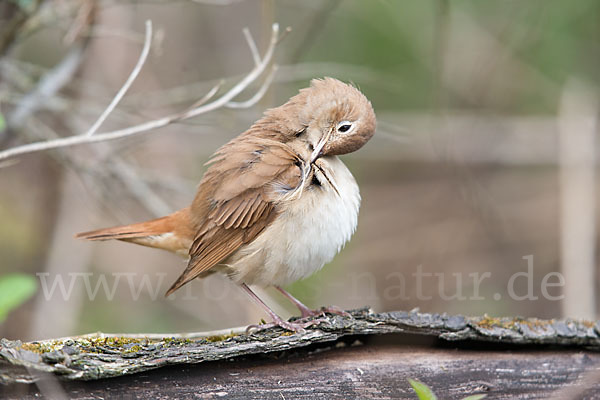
x,y
345,127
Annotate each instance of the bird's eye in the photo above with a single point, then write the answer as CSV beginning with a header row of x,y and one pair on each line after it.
x,y
345,126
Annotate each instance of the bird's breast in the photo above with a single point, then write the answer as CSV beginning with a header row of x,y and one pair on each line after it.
x,y
308,232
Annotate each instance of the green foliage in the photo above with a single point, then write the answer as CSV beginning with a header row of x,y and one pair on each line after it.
x,y
15,289
2,122
425,393
422,390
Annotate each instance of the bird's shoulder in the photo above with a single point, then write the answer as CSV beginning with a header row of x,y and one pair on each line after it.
x,y
242,174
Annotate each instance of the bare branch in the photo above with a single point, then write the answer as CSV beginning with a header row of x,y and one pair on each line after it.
x,y
118,170
243,84
252,46
258,95
82,19
134,73
286,32
208,95
50,84
154,124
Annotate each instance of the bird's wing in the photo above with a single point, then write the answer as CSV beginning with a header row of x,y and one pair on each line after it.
x,y
237,199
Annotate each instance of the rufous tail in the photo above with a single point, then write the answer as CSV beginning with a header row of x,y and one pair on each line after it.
x,y
173,232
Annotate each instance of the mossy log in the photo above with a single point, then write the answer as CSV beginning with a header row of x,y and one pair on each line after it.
x,y
101,355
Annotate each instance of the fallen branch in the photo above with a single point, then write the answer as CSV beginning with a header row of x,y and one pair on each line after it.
x,y
102,355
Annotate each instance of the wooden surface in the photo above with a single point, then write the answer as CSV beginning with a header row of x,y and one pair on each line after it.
x,y
377,369
367,355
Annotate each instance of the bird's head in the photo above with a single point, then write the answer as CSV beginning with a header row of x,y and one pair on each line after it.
x,y
338,118
328,118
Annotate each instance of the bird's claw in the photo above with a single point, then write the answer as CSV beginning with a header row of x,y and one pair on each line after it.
x,y
334,310
323,311
309,318
294,326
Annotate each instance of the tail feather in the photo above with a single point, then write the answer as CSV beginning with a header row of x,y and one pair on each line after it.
x,y
173,233
142,229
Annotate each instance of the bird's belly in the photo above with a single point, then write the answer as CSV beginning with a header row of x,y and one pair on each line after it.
x,y
307,234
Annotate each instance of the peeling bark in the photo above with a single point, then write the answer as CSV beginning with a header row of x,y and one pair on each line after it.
x,y
99,355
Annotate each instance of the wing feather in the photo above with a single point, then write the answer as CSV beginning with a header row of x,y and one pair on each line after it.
x,y
237,199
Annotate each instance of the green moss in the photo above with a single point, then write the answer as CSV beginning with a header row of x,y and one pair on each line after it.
x,y
513,323
535,323
171,341
133,349
88,345
126,345
41,348
492,322
219,338
116,341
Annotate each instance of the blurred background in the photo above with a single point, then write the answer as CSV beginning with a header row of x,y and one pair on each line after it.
x,y
478,188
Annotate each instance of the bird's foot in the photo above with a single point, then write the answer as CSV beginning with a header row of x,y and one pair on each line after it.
x,y
332,310
307,312
298,326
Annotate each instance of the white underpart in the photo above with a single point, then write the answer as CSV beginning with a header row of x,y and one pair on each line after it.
x,y
308,233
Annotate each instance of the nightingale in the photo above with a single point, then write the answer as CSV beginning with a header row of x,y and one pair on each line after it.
x,y
276,203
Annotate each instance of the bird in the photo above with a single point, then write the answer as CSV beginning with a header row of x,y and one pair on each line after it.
x,y
276,203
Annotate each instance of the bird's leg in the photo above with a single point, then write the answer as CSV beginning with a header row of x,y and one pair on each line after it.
x,y
307,312
277,320
304,310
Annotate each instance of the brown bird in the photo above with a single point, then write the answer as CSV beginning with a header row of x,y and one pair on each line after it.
x,y
276,203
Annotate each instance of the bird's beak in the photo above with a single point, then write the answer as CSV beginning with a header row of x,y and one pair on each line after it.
x,y
319,148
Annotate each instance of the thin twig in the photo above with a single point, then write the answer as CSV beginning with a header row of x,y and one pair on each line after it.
x,y
211,93
118,170
134,73
154,124
286,32
252,46
83,19
50,84
243,84
300,72
258,95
